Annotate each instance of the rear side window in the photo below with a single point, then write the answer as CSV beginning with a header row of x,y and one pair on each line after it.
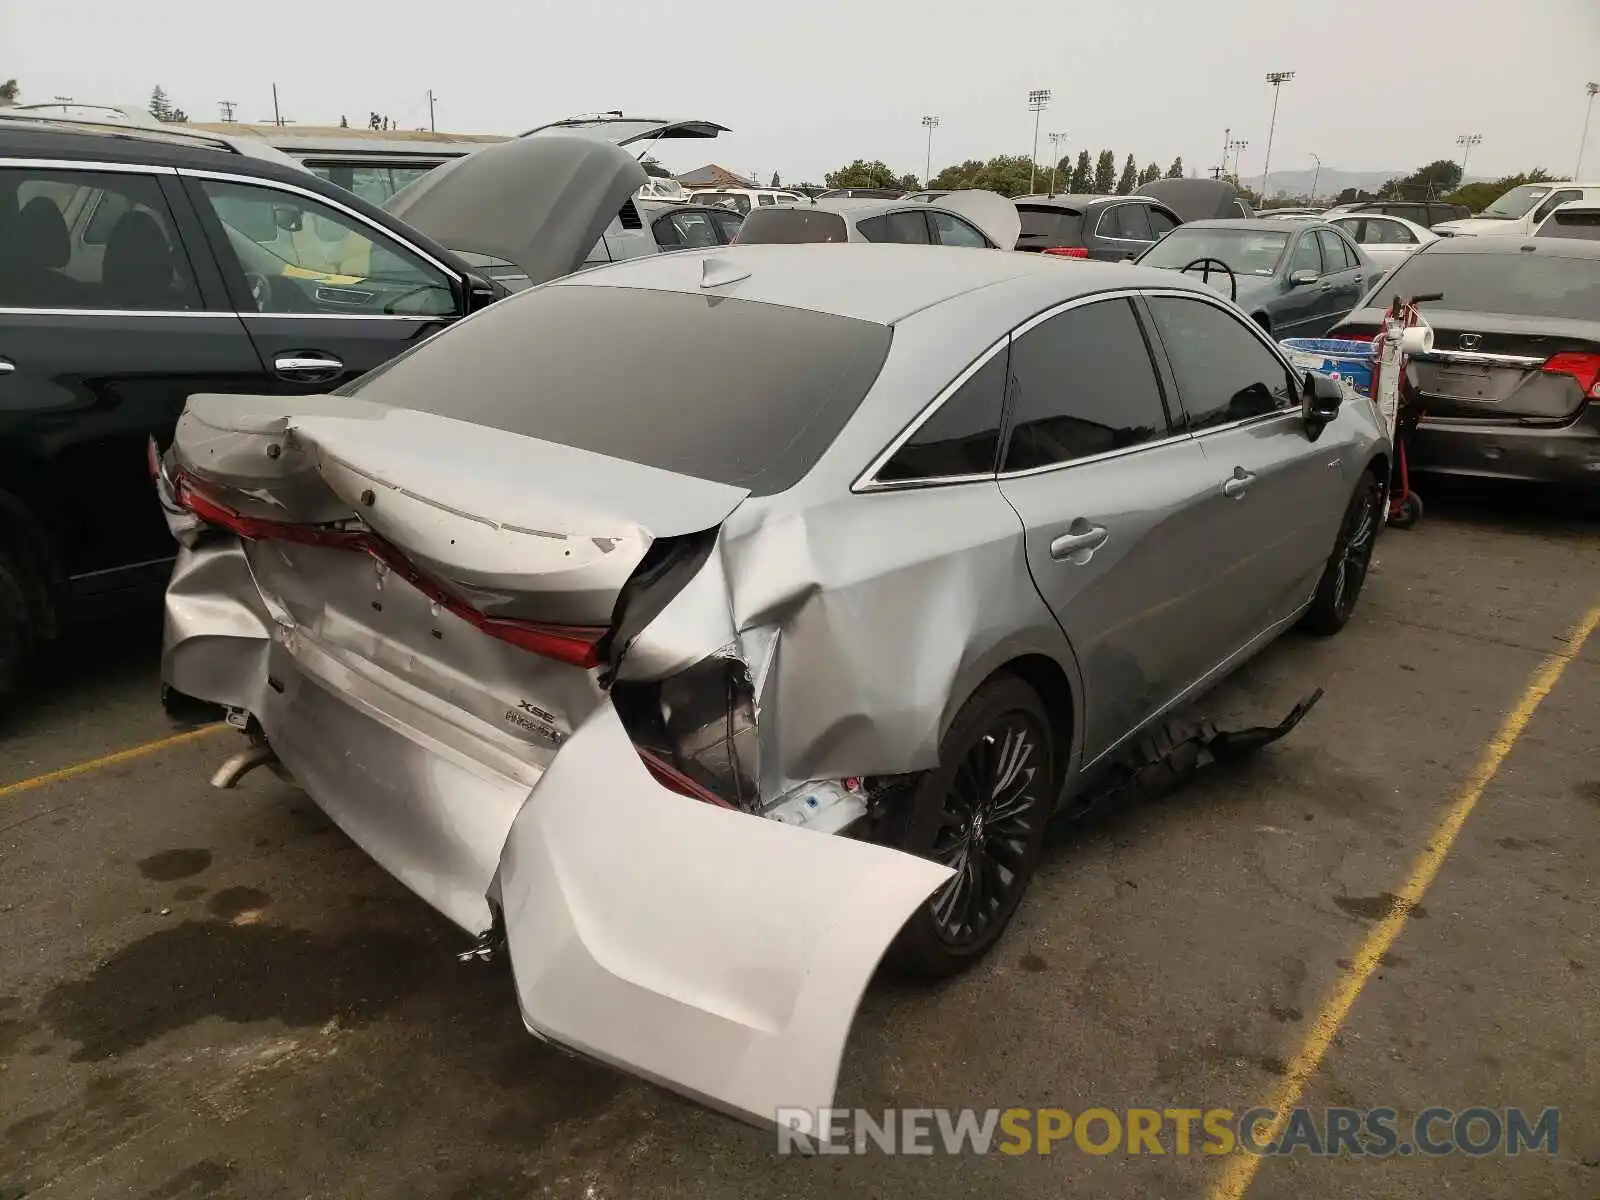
x,y
962,435
1519,284
1084,385
1044,226
791,226
905,228
734,391
1160,222
1126,221
1224,373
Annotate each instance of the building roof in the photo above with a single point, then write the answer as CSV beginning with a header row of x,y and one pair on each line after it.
x,y
712,175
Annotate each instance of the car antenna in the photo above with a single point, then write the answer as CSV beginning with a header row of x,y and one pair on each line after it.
x,y
717,272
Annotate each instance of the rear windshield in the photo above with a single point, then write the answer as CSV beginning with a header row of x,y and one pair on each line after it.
x,y
1044,226
729,390
790,226
1520,284
1581,223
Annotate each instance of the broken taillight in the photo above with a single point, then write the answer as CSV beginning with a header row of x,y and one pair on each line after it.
x,y
576,645
1585,368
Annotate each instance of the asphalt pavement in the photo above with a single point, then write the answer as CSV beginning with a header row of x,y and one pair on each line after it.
x,y
215,994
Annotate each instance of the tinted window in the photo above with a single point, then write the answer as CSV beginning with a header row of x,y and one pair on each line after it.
x,y
728,222
695,229
906,228
1084,385
1579,223
1528,285
765,200
1044,226
1306,256
953,231
666,232
134,261
1224,372
1126,221
792,225
711,386
298,255
1556,200
1334,257
1387,233
962,435
1160,222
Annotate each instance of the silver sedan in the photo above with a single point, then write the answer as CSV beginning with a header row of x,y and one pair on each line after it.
x,y
702,627
1387,241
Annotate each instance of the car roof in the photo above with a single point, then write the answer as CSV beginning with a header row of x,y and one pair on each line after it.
x,y
1076,199
859,206
136,144
1499,243
874,281
1254,224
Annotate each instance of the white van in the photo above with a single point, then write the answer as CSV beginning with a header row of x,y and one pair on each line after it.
x,y
1521,210
742,200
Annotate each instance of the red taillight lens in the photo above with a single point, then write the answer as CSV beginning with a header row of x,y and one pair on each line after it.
x,y
577,645
669,776
1585,368
1067,251
1354,335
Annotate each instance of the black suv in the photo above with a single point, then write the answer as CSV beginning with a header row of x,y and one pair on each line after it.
x,y
1111,228
139,266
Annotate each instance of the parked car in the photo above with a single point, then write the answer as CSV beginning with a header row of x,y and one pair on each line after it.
x,y
860,193
139,266
1199,199
924,197
1387,241
1575,219
1512,388
1295,280
743,200
1520,211
972,219
884,541
691,226
1290,214
1428,214
1104,227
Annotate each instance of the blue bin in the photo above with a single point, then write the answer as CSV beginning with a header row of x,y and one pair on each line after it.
x,y
1347,361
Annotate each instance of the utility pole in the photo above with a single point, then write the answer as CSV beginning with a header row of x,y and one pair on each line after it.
x,y
1591,88
1227,141
1315,175
432,128
227,107
1277,79
277,116
1466,141
1038,101
930,123
1055,154
1236,146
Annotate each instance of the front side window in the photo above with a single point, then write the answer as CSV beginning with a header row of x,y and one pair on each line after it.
x,y
298,255
1160,222
1555,202
953,231
1334,257
728,223
1306,256
1084,385
695,229
134,260
1224,372
962,435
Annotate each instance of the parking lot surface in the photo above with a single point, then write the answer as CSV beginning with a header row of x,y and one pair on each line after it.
x,y
210,993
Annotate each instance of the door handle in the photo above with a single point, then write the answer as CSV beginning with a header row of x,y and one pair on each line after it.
x,y
1238,483
308,366
1079,542
7,366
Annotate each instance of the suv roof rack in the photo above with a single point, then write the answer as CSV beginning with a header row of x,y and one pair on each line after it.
x,y
117,121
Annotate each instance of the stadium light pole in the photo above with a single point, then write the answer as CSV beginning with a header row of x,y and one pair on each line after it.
x,y
1238,146
1277,79
1055,154
930,123
1467,141
1315,175
1591,88
1038,101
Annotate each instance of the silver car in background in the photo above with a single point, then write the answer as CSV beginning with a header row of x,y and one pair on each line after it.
x,y
705,626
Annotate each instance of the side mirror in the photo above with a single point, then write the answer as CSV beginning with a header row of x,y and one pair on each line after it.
x,y
1301,278
1321,399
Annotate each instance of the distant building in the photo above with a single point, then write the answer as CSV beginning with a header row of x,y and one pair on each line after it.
x,y
713,176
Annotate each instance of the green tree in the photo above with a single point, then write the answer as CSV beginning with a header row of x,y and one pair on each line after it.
x,y
160,108
1129,179
1061,181
1478,196
863,174
1175,171
956,176
9,91
344,122
1150,174
1425,183
1105,173
909,182
1082,174
775,181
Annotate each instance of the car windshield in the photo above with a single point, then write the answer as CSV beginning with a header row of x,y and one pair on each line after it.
x,y
1515,203
715,387
1246,251
1526,285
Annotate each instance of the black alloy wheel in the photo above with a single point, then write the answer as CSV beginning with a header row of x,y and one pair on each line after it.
x,y
1346,572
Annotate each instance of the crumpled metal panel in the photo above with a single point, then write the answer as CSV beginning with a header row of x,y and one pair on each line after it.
x,y
215,634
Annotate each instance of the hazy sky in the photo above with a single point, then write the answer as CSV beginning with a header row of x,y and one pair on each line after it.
x,y
808,84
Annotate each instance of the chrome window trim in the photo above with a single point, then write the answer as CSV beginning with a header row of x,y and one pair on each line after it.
x,y
116,312
79,164
332,316
1104,455
1106,237
307,193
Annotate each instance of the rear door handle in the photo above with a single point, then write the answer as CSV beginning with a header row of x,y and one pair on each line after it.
x,y
1079,542
1238,484
7,366
308,366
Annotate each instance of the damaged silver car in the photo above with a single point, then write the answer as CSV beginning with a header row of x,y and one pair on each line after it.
x,y
702,628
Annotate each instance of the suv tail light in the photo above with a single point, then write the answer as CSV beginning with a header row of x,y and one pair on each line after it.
x,y
1585,368
576,645
1067,251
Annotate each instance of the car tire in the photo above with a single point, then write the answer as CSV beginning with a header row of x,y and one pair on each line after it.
x,y
1340,586
983,810
19,624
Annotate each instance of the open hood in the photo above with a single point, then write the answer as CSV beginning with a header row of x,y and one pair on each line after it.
x,y
541,203
989,211
622,130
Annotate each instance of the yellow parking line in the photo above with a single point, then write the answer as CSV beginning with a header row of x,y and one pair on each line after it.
x,y
108,760
1240,1168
